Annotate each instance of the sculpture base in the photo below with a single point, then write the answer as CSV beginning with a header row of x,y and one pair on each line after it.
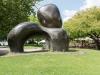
x,y
58,40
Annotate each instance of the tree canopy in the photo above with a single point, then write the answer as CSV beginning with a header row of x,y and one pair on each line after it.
x,y
13,12
85,23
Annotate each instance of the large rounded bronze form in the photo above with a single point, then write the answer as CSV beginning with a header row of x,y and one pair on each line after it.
x,y
56,38
19,34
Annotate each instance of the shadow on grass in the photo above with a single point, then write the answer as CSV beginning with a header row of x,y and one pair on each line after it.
x,y
70,50
35,51
73,50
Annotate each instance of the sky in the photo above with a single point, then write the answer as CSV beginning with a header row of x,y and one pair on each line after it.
x,y
69,7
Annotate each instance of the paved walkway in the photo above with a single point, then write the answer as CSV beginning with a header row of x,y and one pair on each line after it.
x,y
6,50
25,49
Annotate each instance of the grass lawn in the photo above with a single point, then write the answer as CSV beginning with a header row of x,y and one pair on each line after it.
x,y
78,62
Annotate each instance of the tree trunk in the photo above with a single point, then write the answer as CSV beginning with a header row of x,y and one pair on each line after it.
x,y
96,39
97,42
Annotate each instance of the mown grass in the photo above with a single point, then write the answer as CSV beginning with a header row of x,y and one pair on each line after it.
x,y
78,62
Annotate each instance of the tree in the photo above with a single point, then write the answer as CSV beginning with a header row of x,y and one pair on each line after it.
x,y
85,23
13,12
33,19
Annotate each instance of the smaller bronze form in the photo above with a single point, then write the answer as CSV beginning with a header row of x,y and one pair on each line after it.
x,y
49,16
51,29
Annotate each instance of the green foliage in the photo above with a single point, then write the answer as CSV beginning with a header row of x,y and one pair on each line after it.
x,y
80,62
84,23
33,19
13,12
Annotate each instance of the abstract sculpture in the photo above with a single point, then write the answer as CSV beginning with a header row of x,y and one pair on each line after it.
x,y
50,19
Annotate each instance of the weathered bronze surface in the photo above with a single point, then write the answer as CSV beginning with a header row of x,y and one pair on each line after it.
x,y
49,16
19,34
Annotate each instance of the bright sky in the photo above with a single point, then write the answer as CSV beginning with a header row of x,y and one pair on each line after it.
x,y
69,7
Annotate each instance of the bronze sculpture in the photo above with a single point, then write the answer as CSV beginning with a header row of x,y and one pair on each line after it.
x,y
51,29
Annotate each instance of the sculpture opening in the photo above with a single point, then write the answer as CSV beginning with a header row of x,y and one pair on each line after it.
x,y
35,44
